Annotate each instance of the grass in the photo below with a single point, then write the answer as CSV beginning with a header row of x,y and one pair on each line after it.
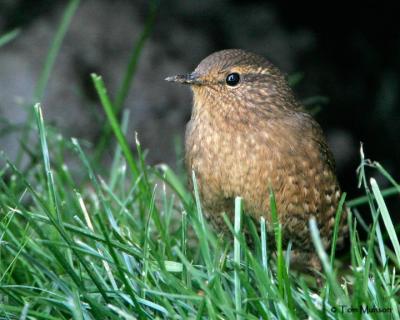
x,y
127,244
130,241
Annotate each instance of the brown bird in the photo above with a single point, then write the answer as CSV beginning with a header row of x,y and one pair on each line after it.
x,y
247,134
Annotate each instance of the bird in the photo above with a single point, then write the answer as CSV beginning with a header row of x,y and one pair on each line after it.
x,y
248,134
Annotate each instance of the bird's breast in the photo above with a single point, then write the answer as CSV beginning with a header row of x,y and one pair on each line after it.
x,y
247,161
228,161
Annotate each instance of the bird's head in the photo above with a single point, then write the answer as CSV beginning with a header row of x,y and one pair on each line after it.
x,y
236,76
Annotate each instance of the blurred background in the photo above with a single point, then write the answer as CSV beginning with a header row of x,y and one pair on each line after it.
x,y
346,62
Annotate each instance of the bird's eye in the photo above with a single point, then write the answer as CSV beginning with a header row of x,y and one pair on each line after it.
x,y
232,79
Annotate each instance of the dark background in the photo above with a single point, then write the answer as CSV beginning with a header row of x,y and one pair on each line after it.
x,y
349,55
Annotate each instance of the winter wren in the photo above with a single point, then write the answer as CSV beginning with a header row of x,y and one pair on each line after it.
x,y
248,134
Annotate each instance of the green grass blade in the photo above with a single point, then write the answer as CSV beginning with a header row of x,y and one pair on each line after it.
x,y
204,246
325,262
175,183
134,58
120,271
130,71
364,199
236,259
278,241
109,110
338,217
9,36
53,205
55,47
264,248
386,219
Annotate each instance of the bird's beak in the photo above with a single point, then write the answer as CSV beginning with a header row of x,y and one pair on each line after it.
x,y
191,78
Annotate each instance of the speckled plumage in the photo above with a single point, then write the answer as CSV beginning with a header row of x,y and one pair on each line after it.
x,y
242,140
